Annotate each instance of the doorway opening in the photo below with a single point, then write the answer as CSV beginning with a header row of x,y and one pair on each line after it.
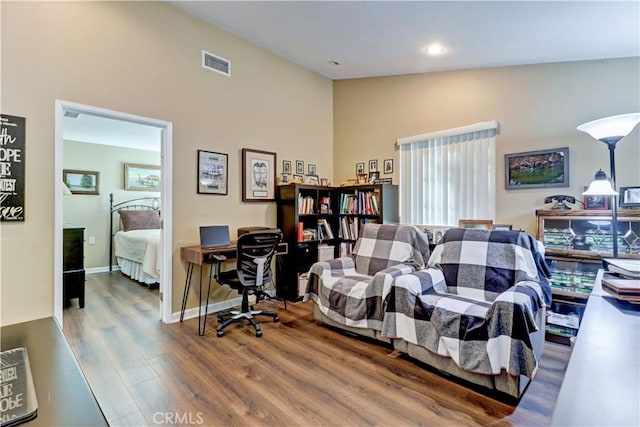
x,y
112,181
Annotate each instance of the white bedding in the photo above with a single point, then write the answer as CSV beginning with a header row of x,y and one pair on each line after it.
x,y
137,253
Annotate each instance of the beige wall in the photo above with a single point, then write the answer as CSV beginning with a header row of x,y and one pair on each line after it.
x,y
92,211
143,58
538,106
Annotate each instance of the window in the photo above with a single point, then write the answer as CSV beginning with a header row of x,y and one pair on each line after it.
x,y
448,175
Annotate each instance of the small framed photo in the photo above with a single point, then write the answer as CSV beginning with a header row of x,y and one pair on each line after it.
x,y
388,166
299,167
629,197
373,166
297,178
82,182
359,168
141,177
311,169
537,169
507,227
285,178
596,202
363,178
475,223
324,182
213,172
312,179
258,175
286,166
373,176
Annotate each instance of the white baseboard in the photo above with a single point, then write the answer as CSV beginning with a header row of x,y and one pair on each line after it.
x,y
94,270
215,307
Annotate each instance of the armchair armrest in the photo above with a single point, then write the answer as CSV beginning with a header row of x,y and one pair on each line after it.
x,y
335,267
425,282
520,302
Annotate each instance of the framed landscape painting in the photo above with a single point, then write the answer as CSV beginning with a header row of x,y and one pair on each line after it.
x,y
141,177
537,169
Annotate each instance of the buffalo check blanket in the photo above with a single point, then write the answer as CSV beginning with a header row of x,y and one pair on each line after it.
x,y
352,290
476,301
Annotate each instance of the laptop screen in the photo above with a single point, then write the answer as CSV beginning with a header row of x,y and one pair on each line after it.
x,y
214,235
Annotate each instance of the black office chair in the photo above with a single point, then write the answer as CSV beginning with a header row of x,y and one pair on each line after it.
x,y
253,271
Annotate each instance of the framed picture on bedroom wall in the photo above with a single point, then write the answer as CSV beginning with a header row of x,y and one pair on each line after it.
x,y
81,182
141,177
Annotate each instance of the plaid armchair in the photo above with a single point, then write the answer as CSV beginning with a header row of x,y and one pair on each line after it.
x,y
351,291
479,303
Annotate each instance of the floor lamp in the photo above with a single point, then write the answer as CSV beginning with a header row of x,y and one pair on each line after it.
x,y
609,130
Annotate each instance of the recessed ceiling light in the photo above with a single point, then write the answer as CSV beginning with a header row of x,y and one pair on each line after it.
x,y
435,49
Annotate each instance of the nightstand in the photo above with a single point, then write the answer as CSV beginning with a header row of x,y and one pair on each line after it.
x,y
73,265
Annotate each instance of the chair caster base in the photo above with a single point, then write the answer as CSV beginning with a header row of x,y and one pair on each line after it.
x,y
276,319
220,334
258,334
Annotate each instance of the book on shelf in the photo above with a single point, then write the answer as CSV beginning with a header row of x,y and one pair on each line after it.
x,y
345,249
306,205
300,232
325,232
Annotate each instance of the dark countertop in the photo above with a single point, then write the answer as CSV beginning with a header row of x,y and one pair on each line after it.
x,y
601,386
64,397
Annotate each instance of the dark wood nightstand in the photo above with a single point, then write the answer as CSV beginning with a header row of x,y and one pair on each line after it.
x,y
73,265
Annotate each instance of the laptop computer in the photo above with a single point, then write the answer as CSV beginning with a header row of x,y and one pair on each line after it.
x,y
214,236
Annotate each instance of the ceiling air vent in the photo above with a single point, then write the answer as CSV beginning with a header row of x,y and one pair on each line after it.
x,y
216,63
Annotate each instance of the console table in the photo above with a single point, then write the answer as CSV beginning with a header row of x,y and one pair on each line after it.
x,y
600,386
64,397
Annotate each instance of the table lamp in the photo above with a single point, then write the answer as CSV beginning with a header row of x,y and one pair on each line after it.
x,y
609,130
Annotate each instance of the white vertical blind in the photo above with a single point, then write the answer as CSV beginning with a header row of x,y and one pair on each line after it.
x,y
448,175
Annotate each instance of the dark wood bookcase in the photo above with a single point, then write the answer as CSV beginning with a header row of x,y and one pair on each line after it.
x,y
309,218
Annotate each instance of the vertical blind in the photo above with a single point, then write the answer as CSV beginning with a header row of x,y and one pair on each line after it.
x,y
448,175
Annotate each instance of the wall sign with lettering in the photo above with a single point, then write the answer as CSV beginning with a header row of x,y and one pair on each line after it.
x,y
12,141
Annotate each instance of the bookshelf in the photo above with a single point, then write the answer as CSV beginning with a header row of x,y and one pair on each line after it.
x,y
362,204
310,218
575,242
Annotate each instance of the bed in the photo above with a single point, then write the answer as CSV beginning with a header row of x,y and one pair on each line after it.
x,y
135,238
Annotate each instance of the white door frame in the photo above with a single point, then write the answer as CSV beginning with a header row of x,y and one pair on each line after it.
x,y
166,199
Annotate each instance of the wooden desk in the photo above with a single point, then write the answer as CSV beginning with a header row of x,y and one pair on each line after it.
x,y
600,386
64,397
195,255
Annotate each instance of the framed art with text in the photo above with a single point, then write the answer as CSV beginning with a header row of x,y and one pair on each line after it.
x,y
537,169
12,167
258,175
213,172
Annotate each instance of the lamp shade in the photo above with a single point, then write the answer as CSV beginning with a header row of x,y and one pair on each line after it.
x,y
600,186
614,127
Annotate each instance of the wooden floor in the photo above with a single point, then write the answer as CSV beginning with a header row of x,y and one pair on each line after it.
x,y
144,372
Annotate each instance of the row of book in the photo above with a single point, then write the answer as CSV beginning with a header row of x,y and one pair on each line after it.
x,y
360,203
346,248
307,205
322,232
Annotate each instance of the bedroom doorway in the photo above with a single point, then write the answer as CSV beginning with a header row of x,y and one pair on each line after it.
x,y
162,130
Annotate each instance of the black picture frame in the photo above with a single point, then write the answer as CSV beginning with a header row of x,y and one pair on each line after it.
x,y
299,167
359,168
629,197
286,167
387,167
595,202
311,169
537,169
373,166
213,173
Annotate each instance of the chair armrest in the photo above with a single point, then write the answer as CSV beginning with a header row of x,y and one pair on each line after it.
x,y
520,302
218,257
424,282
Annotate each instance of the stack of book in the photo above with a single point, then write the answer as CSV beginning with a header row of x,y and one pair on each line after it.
x,y
626,286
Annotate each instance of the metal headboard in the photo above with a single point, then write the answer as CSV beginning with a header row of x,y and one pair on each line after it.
x,y
140,204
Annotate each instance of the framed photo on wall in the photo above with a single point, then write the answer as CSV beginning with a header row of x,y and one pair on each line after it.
x,y
373,166
258,175
286,167
537,169
359,168
299,167
82,182
141,177
388,166
213,172
629,197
